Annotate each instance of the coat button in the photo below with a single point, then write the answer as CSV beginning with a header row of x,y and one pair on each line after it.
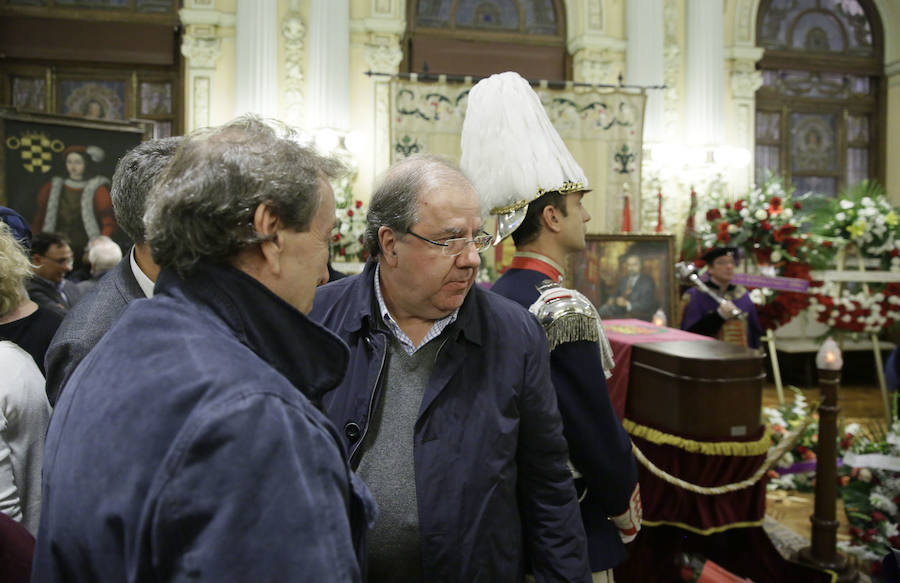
x,y
352,431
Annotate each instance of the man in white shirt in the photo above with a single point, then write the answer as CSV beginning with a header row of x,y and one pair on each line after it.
x,y
133,278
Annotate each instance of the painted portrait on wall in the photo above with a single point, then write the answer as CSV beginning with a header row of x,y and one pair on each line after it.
x,y
56,172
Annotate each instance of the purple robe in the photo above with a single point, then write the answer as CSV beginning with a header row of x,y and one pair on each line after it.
x,y
701,314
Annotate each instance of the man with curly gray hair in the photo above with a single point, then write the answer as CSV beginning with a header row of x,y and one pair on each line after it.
x,y
222,466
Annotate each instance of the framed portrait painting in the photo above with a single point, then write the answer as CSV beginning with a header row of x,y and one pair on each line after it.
x,y
627,276
55,171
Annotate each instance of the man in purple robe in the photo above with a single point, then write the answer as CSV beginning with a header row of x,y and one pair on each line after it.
x,y
705,315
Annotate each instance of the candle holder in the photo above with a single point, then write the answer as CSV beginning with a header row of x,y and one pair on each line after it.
x,y
822,552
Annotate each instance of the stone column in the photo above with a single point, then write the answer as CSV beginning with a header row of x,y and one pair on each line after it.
x,y
329,65
644,61
256,71
745,80
704,73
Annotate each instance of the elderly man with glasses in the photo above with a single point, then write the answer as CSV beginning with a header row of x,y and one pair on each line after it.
x,y
52,258
447,407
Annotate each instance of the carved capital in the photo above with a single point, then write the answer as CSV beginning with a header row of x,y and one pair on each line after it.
x,y
593,66
202,52
745,80
383,53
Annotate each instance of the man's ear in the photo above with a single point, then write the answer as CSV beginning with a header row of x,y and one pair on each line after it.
x,y
387,240
268,225
550,218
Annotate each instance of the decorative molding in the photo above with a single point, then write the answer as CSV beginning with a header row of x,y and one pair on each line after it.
x,y
745,22
382,137
742,53
378,25
200,93
208,17
744,83
597,42
202,53
383,53
293,31
891,70
595,66
382,7
671,71
595,20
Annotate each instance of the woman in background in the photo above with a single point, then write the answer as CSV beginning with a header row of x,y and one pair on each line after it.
x,y
24,409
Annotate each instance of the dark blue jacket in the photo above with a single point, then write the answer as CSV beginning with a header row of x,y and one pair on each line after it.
x,y
187,446
598,444
492,483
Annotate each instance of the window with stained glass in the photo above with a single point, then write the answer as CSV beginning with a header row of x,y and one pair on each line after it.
x,y
466,36
818,110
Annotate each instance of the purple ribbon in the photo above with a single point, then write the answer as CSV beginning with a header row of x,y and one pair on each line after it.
x,y
791,284
800,467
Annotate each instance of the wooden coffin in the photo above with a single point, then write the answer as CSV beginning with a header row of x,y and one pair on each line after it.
x,y
705,390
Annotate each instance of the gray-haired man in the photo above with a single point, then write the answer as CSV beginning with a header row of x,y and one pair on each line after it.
x,y
188,445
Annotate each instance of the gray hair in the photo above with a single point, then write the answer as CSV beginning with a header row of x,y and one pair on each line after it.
x,y
395,203
136,173
104,254
202,209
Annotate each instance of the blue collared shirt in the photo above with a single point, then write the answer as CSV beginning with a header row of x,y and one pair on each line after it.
x,y
399,334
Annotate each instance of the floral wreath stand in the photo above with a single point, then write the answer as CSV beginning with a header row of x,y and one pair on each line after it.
x,y
830,308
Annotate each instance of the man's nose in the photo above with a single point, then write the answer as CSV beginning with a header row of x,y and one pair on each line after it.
x,y
469,256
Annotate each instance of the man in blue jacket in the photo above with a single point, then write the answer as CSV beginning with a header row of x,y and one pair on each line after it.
x,y
541,179
447,406
189,444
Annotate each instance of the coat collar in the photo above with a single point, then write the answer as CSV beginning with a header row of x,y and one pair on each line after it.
x,y
273,329
364,314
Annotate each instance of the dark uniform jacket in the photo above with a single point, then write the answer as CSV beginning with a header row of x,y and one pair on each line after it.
x,y
599,446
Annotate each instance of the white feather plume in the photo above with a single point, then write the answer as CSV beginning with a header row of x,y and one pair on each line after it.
x,y
510,150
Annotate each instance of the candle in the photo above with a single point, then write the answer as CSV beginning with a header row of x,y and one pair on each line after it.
x,y
829,356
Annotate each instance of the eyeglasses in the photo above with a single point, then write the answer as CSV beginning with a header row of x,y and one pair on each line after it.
x,y
61,260
453,247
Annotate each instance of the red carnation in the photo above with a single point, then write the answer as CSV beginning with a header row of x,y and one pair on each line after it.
x,y
766,226
350,212
827,244
359,204
775,205
739,205
798,206
878,516
895,252
337,237
713,214
727,205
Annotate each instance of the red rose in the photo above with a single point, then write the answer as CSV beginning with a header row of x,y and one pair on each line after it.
x,y
727,205
878,516
766,226
895,252
713,214
350,212
774,205
798,206
337,237
739,205
359,204
827,244
342,251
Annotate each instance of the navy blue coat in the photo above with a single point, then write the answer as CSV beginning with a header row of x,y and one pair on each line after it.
x,y
598,444
187,446
87,322
492,483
